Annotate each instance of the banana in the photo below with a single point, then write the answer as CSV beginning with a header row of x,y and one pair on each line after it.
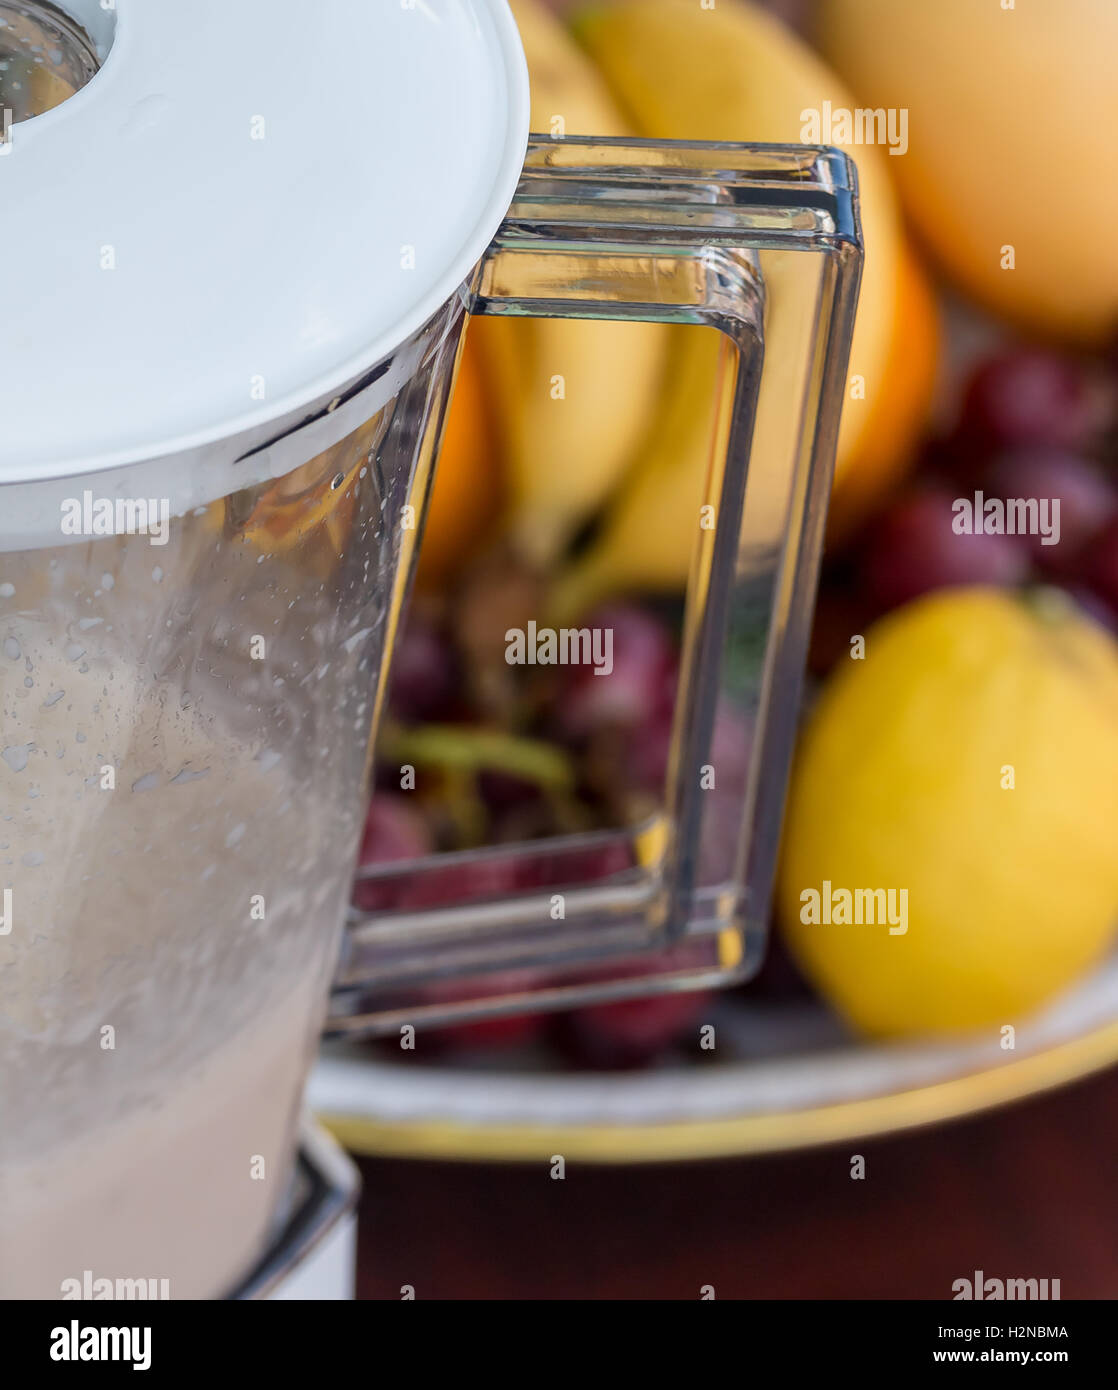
x,y
574,396
647,537
728,73
736,73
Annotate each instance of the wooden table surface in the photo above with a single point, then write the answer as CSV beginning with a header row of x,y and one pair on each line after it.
x,y
1026,1192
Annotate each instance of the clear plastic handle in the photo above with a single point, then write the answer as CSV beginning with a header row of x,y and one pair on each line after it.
x,y
762,244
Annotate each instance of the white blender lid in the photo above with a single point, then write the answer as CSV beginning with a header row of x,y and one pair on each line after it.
x,y
250,195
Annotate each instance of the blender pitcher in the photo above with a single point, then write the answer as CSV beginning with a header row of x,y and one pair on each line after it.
x,y
240,256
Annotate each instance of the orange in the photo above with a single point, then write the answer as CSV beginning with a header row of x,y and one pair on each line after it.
x,y
1016,207
467,495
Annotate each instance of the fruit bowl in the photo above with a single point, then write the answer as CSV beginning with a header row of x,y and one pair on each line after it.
x,y
785,1076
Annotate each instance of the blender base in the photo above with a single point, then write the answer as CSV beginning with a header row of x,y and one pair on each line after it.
x,y
314,1255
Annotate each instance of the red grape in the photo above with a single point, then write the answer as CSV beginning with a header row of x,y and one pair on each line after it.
x,y
591,863
1028,396
424,680
502,791
913,549
505,1031
643,675
1100,565
394,830
1087,499
450,883
630,1032
646,750
950,456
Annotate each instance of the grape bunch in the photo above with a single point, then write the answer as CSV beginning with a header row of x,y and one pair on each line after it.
x,y
1034,427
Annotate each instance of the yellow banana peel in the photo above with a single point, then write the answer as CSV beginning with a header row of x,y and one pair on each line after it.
x,y
574,397
647,538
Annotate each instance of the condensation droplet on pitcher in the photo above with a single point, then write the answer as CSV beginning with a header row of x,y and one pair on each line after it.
x,y
146,782
7,590
16,755
187,775
12,649
236,835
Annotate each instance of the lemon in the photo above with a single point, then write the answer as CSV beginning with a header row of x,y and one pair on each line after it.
x,y
969,764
